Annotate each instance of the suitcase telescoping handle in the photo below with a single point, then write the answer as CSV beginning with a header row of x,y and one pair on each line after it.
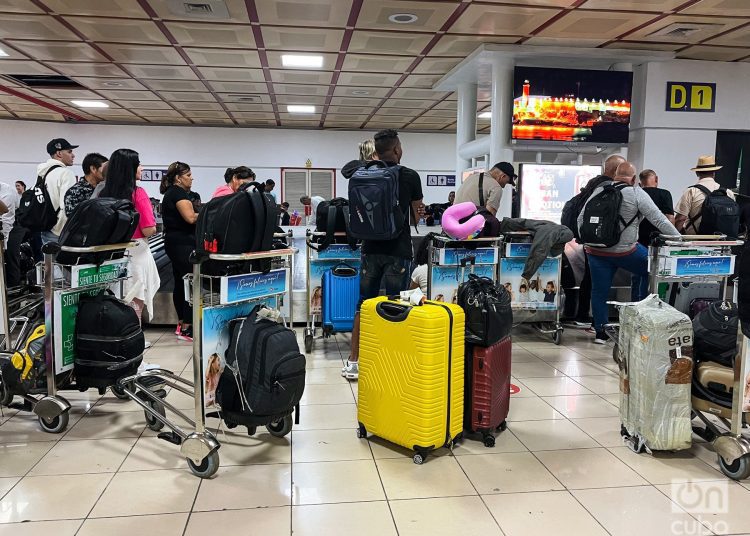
x,y
393,312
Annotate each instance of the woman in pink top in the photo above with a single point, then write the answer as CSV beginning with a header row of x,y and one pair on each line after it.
x,y
143,282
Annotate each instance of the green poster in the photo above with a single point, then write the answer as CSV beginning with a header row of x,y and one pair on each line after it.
x,y
91,274
66,309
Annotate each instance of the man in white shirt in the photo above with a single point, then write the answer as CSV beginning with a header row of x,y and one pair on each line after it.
x,y
8,204
690,206
313,201
490,185
57,181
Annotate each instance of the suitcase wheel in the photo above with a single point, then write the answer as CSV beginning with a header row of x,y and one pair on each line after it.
x,y
361,431
502,427
419,458
489,441
281,427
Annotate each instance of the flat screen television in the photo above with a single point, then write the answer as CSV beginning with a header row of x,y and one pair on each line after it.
x,y
571,105
545,188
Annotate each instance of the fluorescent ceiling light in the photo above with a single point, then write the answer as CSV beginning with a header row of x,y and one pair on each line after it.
x,y
300,109
485,115
3,54
403,18
90,104
296,60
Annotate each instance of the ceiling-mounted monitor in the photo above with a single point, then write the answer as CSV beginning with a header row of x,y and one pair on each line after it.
x,y
571,105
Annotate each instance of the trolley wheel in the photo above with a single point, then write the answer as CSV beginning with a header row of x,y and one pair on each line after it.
x,y
55,425
557,336
308,342
6,397
419,458
208,466
119,392
503,426
738,470
489,441
281,427
152,422
361,431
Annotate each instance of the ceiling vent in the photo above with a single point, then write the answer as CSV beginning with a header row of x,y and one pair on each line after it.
x,y
199,9
685,30
45,81
241,97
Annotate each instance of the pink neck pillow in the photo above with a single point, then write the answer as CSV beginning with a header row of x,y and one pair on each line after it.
x,y
454,225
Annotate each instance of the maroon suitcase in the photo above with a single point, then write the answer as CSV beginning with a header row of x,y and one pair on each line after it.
x,y
487,392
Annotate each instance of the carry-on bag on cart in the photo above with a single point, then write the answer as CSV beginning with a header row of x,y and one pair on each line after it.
x,y
109,341
98,222
682,295
340,296
655,355
489,317
26,369
264,376
487,388
411,373
715,331
333,217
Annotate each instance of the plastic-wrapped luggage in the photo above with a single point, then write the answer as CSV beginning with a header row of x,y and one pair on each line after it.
x,y
340,296
487,388
411,373
655,351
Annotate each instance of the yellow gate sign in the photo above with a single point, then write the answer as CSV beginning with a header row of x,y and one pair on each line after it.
x,y
691,97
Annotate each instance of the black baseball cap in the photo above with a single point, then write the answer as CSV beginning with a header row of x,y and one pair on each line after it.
x,y
59,144
508,169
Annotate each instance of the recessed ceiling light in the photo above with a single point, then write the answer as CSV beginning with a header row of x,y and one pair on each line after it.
x,y
3,54
360,92
403,18
90,104
113,84
300,109
296,60
485,115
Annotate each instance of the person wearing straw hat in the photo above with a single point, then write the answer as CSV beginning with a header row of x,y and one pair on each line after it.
x,y
689,207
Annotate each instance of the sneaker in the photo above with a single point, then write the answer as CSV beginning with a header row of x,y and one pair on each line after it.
x,y
178,329
147,345
600,338
186,334
580,325
351,370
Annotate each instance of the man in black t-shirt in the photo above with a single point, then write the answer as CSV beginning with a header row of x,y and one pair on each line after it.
x,y
387,261
661,198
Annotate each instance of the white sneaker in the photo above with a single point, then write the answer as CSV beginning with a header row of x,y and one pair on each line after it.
x,y
147,345
600,338
600,341
351,370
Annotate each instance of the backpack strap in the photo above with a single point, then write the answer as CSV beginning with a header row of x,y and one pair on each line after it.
x,y
350,239
481,189
691,221
625,224
124,221
40,180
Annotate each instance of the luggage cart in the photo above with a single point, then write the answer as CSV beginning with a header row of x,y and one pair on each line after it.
x,y
317,263
221,299
542,314
63,284
447,260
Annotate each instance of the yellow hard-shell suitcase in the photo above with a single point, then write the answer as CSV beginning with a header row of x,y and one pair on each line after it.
x,y
411,373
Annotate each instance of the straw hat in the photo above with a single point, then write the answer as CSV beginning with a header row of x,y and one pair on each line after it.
x,y
706,163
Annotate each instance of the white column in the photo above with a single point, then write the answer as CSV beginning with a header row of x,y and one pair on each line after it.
x,y
466,125
500,123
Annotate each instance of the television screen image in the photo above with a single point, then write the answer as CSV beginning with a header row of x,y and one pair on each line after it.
x,y
571,105
545,188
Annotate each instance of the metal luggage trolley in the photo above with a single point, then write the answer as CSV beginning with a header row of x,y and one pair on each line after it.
x,y
447,260
63,286
536,307
216,301
317,263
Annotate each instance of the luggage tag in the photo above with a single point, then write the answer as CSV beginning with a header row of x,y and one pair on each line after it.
x,y
414,297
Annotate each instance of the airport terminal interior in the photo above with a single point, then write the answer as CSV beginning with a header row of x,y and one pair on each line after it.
x,y
223,308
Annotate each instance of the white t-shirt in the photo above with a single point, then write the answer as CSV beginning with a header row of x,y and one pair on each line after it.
x,y
9,196
419,276
314,202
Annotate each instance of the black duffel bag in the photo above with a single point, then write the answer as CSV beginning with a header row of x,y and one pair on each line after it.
x,y
98,222
486,304
109,341
715,330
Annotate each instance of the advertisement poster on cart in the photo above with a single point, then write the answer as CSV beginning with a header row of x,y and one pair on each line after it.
x,y
215,340
66,311
91,274
238,288
445,280
338,251
317,269
540,292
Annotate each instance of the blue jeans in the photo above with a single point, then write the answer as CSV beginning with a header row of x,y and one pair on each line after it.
x,y
376,269
603,271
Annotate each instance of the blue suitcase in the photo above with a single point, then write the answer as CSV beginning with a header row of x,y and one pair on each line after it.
x,y
340,296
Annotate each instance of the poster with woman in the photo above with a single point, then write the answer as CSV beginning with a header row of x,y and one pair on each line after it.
x,y
539,292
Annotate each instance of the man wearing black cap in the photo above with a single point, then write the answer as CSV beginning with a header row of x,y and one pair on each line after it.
x,y
58,180
486,192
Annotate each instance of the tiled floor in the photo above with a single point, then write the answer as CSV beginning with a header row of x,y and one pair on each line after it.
x,y
560,468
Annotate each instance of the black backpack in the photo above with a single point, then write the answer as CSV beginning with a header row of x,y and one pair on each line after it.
x,y
98,222
264,376
715,331
489,317
35,211
719,213
241,222
109,341
602,219
332,217
374,210
573,207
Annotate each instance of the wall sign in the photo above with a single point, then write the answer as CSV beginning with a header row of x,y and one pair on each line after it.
x,y
691,97
441,180
153,175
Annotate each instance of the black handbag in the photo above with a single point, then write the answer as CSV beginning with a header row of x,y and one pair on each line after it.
x,y
486,304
